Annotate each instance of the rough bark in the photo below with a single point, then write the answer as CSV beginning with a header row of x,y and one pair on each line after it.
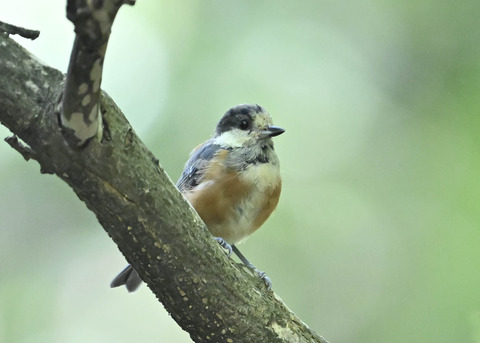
x,y
159,233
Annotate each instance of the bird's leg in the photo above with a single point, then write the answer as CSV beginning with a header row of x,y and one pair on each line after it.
x,y
247,263
243,258
224,245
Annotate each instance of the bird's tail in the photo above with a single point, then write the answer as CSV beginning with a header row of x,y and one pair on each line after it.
x,y
128,277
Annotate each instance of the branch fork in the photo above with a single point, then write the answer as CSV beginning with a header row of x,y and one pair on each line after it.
x,y
133,198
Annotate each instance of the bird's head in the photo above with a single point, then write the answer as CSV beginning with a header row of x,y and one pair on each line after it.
x,y
245,125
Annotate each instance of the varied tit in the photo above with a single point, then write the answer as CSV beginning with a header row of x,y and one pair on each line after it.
x,y
232,180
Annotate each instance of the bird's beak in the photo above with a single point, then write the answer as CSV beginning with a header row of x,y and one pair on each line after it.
x,y
271,131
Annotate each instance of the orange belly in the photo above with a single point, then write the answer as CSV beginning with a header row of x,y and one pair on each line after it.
x,y
232,206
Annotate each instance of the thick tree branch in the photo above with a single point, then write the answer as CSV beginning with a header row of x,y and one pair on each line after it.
x,y
160,234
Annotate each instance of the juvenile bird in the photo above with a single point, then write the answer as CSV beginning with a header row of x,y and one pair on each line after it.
x,y
232,180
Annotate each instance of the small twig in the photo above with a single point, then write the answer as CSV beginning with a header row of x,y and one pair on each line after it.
x,y
24,150
17,30
28,153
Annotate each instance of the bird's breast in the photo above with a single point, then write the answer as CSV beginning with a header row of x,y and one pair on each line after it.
x,y
263,175
233,204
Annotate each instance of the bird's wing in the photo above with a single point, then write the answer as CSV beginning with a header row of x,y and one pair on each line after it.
x,y
196,165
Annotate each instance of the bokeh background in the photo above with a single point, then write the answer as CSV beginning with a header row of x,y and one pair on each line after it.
x,y
376,237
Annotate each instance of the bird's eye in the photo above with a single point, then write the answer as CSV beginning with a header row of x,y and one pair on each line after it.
x,y
244,124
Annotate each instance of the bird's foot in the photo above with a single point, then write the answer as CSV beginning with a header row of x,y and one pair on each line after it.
x,y
250,266
264,278
224,245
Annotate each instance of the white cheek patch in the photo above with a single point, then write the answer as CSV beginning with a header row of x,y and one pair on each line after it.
x,y
232,139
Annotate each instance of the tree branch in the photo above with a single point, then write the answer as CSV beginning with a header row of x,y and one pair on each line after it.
x,y
10,29
23,150
208,295
79,109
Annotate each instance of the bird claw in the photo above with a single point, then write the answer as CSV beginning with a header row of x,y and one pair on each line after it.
x,y
261,275
264,278
251,267
224,245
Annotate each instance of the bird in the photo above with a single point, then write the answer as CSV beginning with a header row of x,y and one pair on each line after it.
x,y
232,180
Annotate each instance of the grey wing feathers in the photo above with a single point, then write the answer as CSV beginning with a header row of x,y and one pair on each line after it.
x,y
195,166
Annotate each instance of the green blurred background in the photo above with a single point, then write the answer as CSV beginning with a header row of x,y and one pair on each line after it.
x,y
376,236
